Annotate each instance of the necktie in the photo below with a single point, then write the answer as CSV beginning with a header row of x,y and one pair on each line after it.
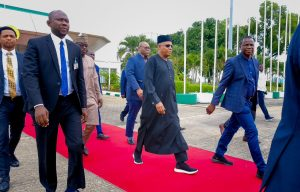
x,y
10,76
64,73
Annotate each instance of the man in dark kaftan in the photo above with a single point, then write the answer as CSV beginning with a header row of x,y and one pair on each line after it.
x,y
160,129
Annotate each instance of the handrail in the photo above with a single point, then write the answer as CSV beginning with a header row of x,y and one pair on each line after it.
x,y
24,10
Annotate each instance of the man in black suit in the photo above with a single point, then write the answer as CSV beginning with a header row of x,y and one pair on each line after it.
x,y
54,82
11,103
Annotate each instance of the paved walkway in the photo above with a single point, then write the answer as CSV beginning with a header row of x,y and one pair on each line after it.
x,y
201,131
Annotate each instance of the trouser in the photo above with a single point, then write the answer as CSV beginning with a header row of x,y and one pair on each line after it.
x,y
87,133
180,157
134,107
99,127
244,119
125,110
11,113
68,115
261,103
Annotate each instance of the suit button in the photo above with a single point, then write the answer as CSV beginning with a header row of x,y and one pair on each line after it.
x,y
58,83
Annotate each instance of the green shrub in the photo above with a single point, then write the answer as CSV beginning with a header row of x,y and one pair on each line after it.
x,y
192,87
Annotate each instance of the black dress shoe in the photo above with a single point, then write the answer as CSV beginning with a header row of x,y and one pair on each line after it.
x,y
221,160
4,185
71,190
121,117
130,141
13,161
260,174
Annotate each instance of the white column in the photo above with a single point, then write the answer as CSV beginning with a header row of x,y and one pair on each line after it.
x,y
184,66
256,36
271,45
215,55
285,45
226,38
278,54
201,59
237,38
249,26
109,78
264,46
290,25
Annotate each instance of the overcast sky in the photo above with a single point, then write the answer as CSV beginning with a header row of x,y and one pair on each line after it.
x,y
115,19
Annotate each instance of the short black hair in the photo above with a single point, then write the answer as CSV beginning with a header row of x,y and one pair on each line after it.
x,y
246,37
7,28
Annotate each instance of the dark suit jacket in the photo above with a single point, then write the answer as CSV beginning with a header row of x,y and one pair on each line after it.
x,y
41,73
135,76
283,168
20,68
123,83
235,81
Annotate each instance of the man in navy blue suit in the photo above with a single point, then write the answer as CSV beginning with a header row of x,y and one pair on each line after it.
x,y
283,168
54,83
240,81
11,103
135,85
123,84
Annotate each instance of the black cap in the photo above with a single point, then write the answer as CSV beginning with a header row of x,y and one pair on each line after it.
x,y
163,38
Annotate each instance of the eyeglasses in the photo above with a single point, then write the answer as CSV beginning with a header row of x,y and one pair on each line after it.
x,y
168,45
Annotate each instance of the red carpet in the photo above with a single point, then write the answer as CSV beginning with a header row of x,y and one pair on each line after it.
x,y
112,160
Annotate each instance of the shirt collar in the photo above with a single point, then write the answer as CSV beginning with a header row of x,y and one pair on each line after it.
x,y
56,40
245,58
5,51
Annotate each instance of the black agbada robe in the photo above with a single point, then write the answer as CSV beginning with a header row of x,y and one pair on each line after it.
x,y
161,132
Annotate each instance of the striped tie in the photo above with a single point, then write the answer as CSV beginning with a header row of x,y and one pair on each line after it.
x,y
10,76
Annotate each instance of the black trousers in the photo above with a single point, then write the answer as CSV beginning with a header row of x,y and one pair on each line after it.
x,y
180,156
68,115
11,114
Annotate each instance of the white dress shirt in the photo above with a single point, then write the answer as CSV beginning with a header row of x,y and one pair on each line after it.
x,y
262,79
56,40
16,71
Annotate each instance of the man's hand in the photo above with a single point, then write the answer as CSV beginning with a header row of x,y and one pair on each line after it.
x,y
84,115
210,109
160,108
100,102
139,92
41,116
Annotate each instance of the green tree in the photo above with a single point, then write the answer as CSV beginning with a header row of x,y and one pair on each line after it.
x,y
128,47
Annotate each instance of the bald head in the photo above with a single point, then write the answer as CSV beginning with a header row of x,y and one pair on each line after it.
x,y
144,49
58,21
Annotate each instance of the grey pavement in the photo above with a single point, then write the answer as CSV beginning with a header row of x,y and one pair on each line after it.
x,y
201,131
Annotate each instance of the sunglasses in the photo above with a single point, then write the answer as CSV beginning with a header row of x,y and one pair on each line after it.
x,y
168,46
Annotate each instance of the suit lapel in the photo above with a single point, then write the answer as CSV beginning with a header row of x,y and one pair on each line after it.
x,y
20,64
1,69
52,50
70,55
242,66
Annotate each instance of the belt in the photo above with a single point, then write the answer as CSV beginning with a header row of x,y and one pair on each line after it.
x,y
8,97
66,97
